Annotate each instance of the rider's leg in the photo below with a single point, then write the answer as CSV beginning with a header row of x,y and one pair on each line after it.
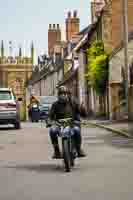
x,y
67,131
53,132
78,140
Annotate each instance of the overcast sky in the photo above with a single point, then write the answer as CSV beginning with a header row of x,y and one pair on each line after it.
x,y
22,21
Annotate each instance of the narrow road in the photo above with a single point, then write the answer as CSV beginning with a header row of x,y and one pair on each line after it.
x,y
27,171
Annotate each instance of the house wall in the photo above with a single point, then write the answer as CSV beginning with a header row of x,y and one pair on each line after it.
x,y
47,85
112,23
115,80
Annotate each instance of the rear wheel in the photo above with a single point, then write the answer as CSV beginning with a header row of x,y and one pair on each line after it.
x,y
66,154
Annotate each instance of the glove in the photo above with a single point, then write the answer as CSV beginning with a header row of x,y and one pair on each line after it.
x,y
48,123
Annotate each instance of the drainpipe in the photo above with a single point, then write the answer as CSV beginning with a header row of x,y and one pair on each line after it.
x,y
125,43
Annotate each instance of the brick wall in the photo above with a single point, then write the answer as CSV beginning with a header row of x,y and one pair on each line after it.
x,y
106,27
116,22
112,22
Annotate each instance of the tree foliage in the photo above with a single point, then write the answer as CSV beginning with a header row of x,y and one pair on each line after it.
x,y
97,68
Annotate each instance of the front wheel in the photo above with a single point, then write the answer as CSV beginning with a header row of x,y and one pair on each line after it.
x,y
66,154
73,153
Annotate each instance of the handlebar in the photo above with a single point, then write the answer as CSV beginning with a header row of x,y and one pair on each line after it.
x,y
63,122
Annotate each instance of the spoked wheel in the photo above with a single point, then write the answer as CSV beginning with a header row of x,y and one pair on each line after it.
x,y
73,153
66,154
72,160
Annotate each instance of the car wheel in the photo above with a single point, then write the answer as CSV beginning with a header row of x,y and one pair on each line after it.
x,y
17,125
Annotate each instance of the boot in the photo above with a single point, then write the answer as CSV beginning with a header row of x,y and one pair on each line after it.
x,y
54,141
57,154
80,152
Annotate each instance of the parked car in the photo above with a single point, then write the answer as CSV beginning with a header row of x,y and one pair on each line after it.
x,y
9,108
45,105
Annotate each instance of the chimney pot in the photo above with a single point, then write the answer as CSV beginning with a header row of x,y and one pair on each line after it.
x,y
50,26
75,13
58,26
69,14
53,26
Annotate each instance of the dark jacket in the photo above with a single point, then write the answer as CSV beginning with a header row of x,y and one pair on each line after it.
x,y
60,110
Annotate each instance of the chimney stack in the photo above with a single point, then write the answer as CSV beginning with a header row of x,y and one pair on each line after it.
x,y
54,36
72,25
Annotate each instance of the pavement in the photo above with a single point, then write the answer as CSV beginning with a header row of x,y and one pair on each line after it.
x,y
121,127
27,171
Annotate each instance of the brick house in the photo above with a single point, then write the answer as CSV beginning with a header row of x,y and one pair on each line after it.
x,y
75,76
111,19
112,15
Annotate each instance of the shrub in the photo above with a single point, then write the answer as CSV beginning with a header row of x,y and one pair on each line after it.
x,y
97,68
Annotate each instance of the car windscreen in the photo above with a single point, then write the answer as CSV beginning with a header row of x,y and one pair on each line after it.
x,y
47,100
5,95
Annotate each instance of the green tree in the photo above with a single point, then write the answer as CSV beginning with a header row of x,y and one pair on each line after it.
x,y
97,68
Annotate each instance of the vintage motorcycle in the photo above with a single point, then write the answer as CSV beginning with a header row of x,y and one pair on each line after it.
x,y
68,146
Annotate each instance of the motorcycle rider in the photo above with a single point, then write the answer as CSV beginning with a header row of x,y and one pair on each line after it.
x,y
65,107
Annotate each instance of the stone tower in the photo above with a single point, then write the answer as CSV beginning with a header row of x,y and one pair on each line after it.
x,y
72,25
54,36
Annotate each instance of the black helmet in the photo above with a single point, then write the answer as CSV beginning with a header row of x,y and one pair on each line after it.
x,y
62,89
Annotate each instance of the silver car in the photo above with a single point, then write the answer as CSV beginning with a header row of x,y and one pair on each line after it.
x,y
9,108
